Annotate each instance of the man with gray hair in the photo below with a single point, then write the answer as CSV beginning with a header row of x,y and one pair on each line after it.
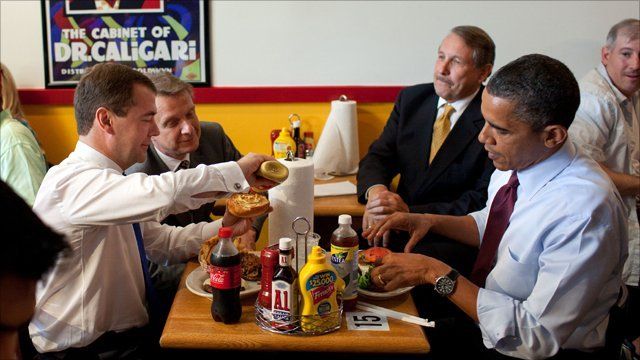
x,y
606,127
430,140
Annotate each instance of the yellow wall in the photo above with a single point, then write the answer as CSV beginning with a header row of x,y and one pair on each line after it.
x,y
248,125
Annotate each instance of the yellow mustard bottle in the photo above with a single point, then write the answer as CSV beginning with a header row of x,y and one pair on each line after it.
x,y
283,142
319,286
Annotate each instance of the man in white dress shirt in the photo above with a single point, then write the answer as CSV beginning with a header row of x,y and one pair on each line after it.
x,y
554,269
94,302
607,128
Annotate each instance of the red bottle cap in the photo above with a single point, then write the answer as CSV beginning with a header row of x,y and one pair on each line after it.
x,y
225,232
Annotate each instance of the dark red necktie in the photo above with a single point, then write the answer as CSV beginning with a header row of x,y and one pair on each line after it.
x,y
497,224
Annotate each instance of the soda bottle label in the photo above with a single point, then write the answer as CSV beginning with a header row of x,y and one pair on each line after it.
x,y
344,260
224,278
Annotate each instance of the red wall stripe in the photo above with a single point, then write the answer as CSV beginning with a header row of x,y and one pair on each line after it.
x,y
243,94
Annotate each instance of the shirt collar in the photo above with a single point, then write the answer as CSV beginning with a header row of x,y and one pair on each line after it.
x,y
89,154
620,97
459,105
5,115
535,177
172,164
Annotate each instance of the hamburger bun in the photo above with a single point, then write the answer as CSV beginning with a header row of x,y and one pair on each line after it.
x,y
247,205
274,171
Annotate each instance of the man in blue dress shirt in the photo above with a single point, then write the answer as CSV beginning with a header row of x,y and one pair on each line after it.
x,y
552,239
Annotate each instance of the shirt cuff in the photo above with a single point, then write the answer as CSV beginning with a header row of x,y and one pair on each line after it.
x,y
211,229
495,317
233,177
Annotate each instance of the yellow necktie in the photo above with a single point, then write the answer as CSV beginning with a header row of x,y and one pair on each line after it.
x,y
441,129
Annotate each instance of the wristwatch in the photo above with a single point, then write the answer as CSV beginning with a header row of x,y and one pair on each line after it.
x,y
445,284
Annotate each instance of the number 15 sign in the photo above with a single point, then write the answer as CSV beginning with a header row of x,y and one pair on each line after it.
x,y
366,321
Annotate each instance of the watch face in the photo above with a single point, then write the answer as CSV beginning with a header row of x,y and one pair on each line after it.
x,y
444,285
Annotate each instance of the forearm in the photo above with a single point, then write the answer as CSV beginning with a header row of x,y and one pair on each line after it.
x,y
625,183
464,296
460,228
166,244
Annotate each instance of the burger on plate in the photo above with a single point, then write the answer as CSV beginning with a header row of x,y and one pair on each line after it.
x,y
367,260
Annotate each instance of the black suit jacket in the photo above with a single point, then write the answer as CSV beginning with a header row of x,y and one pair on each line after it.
x,y
456,181
215,147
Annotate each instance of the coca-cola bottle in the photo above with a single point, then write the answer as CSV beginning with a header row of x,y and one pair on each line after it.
x,y
284,289
226,275
344,258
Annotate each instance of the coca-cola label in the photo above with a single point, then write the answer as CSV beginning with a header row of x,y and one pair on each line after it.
x,y
223,278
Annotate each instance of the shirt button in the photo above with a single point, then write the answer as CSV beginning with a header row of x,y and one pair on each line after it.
x,y
237,186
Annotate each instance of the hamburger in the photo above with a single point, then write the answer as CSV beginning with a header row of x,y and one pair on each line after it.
x,y
250,263
205,252
247,205
367,260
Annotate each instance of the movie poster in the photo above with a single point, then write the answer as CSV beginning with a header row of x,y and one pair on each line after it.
x,y
148,35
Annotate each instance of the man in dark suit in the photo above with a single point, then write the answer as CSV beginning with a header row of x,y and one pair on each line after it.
x,y
431,141
184,142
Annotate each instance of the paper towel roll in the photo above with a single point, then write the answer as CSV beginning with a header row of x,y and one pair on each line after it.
x,y
291,199
337,151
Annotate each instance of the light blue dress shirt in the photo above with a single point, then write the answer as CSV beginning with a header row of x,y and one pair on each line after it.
x,y
559,264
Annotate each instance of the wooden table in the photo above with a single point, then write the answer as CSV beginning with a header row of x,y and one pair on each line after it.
x,y
190,326
336,205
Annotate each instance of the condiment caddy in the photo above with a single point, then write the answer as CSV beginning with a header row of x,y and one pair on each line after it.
x,y
319,285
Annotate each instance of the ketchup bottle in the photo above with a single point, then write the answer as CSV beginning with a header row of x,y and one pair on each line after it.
x,y
344,258
226,275
269,261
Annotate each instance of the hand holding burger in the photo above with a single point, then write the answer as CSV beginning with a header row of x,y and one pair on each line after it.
x,y
250,164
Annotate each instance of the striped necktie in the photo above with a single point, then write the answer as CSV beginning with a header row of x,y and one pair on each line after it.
x,y
184,164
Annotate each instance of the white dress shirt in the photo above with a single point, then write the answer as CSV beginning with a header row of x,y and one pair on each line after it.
x,y
460,106
558,266
99,285
171,163
606,127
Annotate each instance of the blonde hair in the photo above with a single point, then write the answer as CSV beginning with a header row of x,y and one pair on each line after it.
x,y
10,99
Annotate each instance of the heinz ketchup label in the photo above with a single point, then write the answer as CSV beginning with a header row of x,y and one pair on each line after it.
x,y
224,278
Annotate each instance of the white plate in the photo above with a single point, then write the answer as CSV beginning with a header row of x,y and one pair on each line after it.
x,y
383,295
198,276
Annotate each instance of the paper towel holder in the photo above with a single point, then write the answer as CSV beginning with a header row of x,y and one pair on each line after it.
x,y
290,156
303,232
343,98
